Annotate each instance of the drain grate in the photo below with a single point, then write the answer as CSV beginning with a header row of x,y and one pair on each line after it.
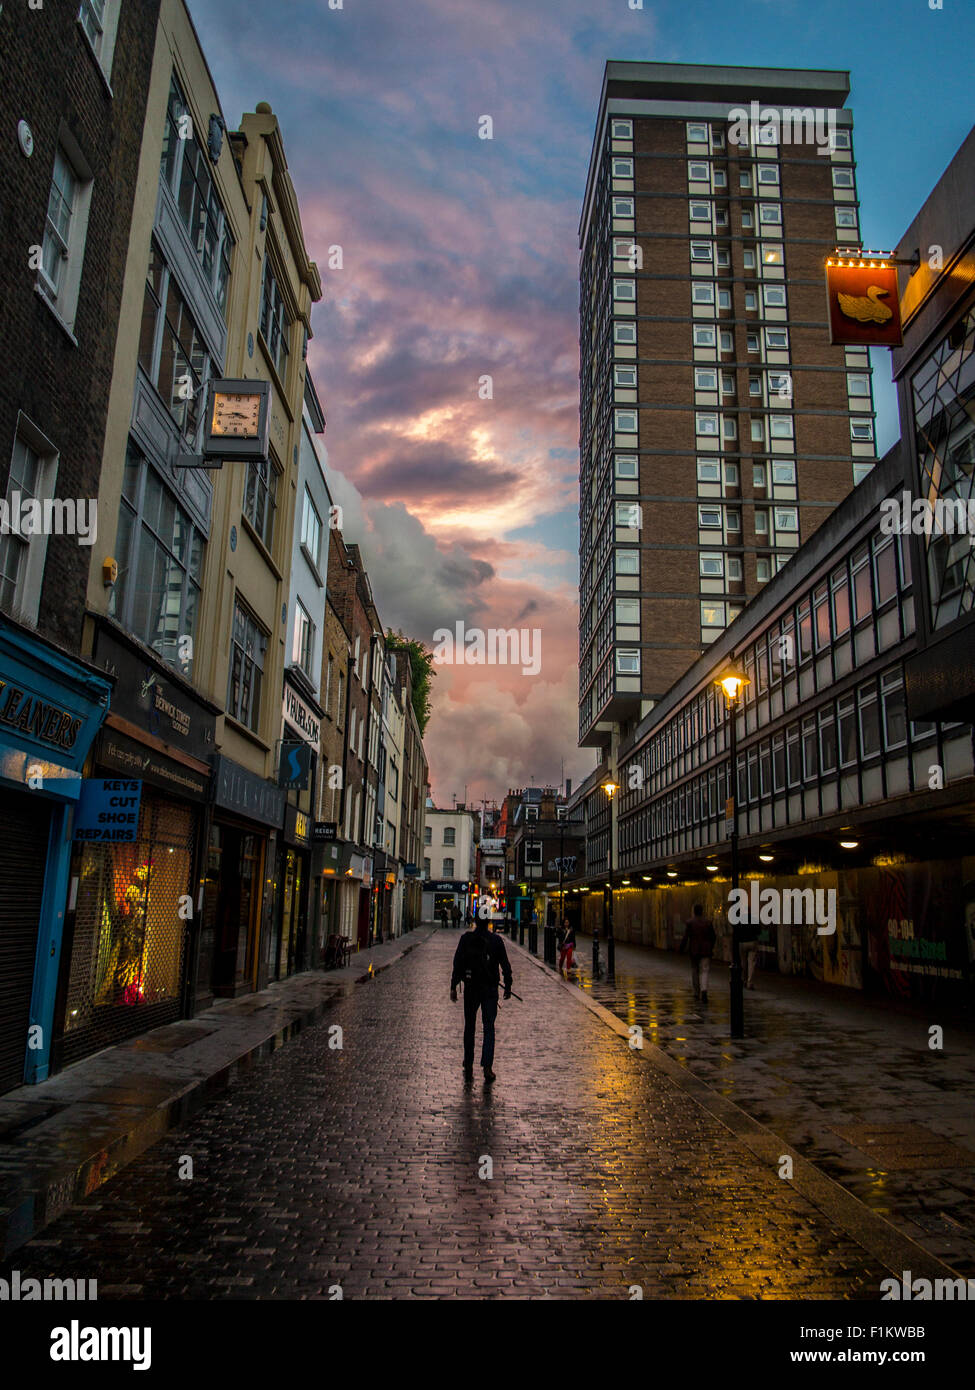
x,y
899,1147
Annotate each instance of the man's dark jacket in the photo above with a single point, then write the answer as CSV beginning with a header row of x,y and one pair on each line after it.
x,y
470,946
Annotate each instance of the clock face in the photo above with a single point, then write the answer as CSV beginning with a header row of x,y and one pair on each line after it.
x,y
236,416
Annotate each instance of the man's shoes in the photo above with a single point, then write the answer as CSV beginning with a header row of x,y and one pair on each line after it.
x,y
489,1076
704,996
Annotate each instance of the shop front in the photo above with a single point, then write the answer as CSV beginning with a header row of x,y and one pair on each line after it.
x,y
238,900
51,707
134,903
290,944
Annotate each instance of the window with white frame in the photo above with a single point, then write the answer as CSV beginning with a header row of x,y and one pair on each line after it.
x,y
622,130
713,615
727,384
627,562
698,171
858,383
761,521
622,168
700,250
311,528
704,335
303,644
624,333
709,518
861,430
731,474
755,386
628,612
706,423
772,254
624,421
712,565
784,473
624,376
734,567
702,294
65,230
768,173
774,296
697,134
628,515
842,177
846,217
763,569
786,519
624,289
769,213
781,426
624,248
700,212
777,339
745,178
719,178
748,258
840,140
622,207
758,430
724,299
747,220
729,427
732,519
33,472
627,662
751,300
99,23
751,342
723,258
627,466
727,342
705,379
759,476
708,471
780,387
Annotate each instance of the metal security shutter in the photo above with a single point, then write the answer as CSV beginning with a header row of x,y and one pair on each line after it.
x,y
24,825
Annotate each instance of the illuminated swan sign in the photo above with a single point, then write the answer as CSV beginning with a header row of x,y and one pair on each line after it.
x,y
864,302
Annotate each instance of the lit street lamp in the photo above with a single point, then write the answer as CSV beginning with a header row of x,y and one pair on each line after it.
x,y
732,683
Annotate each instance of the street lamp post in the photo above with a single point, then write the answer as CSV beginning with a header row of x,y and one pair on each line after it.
x,y
610,788
732,684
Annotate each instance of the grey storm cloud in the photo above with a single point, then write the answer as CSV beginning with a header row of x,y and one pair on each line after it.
x,y
435,475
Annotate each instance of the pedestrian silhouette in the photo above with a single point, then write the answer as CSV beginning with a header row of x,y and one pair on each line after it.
x,y
479,958
699,937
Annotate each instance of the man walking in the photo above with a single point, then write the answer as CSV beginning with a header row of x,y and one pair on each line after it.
x,y
699,937
455,914
480,955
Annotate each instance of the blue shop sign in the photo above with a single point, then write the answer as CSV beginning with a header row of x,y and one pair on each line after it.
x,y
108,810
51,708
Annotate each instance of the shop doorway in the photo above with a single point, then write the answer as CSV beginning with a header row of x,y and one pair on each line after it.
x,y
25,822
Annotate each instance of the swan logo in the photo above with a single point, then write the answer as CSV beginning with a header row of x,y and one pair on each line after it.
x,y
864,301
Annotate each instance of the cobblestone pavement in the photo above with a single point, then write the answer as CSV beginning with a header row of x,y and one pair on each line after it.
x,y
360,1167
849,1084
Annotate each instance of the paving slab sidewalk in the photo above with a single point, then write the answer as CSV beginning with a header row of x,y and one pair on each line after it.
x,y
62,1139
848,1084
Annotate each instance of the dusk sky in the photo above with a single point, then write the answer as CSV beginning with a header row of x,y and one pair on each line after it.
x,y
460,259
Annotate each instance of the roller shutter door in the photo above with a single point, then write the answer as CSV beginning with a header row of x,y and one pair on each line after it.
x,y
24,826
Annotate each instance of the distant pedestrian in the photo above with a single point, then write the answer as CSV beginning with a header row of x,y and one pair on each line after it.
x,y
748,950
443,915
455,914
567,945
480,955
699,939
